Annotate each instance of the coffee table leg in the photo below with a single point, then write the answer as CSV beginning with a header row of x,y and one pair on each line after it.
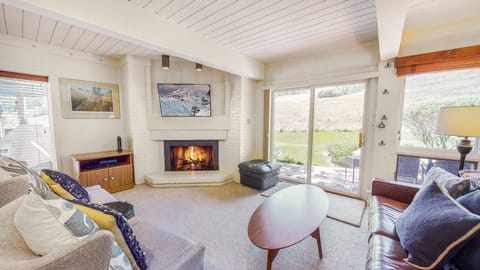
x,y
316,235
272,253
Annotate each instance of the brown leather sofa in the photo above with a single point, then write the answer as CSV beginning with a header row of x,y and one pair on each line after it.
x,y
388,201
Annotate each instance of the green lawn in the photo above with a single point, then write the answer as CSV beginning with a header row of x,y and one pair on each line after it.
x,y
293,145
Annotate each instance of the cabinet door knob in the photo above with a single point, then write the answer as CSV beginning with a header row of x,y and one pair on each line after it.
x,y
113,177
105,179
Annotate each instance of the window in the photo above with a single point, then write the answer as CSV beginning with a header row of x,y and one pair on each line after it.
x,y
425,94
25,132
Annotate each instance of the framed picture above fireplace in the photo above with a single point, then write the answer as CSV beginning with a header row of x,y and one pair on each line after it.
x,y
184,100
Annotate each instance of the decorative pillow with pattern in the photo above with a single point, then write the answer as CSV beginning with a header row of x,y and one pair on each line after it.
x,y
456,186
433,236
47,222
64,185
10,168
109,219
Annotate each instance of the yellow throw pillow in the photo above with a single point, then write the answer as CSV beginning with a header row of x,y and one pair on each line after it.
x,y
56,187
113,221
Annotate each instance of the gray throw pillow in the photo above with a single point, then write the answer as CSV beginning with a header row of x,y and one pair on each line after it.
x,y
469,257
434,227
456,186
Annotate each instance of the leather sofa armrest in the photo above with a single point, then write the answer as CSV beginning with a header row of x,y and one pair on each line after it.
x,y
399,191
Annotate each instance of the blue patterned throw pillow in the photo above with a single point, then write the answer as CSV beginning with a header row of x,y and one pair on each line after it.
x,y
435,227
67,183
109,219
469,257
456,186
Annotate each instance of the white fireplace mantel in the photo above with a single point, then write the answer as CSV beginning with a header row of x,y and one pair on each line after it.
x,y
188,134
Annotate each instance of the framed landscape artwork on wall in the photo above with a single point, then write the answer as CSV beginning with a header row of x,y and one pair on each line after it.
x,y
85,99
184,100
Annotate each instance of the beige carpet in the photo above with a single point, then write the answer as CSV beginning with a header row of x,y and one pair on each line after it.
x,y
341,208
218,217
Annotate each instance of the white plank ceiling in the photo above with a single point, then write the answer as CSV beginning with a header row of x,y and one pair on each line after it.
x,y
266,30
262,29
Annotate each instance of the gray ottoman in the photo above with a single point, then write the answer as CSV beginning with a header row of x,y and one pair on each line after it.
x,y
259,174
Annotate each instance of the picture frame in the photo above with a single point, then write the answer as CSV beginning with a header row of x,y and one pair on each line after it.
x,y
87,99
184,99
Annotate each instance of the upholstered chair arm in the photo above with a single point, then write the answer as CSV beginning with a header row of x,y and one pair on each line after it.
x,y
91,253
12,188
403,192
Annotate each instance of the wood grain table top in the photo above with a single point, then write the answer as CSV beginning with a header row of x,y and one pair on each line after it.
x,y
288,216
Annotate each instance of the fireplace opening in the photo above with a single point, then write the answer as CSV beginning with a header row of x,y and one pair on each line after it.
x,y
191,155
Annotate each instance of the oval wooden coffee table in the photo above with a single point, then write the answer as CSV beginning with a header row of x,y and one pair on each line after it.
x,y
287,217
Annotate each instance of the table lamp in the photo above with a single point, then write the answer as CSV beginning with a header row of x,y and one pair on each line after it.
x,y
462,121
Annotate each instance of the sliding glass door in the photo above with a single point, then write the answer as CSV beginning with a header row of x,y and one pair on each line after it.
x,y
290,125
316,135
338,119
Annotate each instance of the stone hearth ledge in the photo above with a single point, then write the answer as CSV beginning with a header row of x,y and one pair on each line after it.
x,y
194,178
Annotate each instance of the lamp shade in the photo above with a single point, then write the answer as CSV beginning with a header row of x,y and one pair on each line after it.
x,y
463,121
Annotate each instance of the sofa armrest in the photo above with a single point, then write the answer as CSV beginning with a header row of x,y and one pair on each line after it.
x,y
100,195
192,259
93,252
12,188
399,191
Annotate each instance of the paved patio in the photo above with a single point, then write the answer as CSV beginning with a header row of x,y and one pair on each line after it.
x,y
339,178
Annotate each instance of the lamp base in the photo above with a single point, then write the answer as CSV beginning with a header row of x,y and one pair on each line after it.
x,y
464,147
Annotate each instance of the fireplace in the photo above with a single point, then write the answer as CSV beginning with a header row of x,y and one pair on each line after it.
x,y
191,155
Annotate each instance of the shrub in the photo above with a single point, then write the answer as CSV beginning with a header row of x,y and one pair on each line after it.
x,y
339,152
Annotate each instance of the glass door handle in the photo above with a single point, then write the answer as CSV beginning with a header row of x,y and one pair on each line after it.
x,y
360,140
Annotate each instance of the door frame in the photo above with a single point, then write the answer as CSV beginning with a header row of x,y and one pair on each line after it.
x,y
369,99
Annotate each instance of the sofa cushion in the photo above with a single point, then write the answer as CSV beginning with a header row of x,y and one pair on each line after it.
x,y
64,185
47,223
469,257
456,186
115,222
10,168
383,215
432,236
386,253
165,249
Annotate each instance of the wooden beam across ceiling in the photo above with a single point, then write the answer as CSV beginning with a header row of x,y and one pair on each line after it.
x,y
391,16
443,60
141,27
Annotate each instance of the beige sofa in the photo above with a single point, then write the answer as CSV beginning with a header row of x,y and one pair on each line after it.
x,y
164,250
15,254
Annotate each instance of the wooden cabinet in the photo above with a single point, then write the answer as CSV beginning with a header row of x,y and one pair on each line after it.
x,y
111,170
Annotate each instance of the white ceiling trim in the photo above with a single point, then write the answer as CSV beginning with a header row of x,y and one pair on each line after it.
x,y
391,16
141,27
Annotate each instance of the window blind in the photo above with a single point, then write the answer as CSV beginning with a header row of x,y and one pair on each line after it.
x,y
25,132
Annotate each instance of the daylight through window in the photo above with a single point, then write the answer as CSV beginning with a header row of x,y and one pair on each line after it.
x,y
25,133
425,94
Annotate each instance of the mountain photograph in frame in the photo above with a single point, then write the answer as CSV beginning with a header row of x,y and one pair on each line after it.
x,y
184,100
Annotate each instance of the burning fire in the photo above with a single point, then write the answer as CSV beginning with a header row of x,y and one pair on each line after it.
x,y
191,157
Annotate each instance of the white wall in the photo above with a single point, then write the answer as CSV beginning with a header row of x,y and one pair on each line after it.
x,y
147,154
71,135
323,67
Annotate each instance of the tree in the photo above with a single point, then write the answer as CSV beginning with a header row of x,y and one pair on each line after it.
x,y
421,121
